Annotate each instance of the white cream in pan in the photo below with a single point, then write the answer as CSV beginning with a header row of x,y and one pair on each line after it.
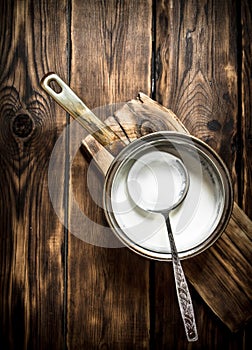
x,y
192,222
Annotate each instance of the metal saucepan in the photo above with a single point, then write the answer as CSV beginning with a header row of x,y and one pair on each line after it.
x,y
200,218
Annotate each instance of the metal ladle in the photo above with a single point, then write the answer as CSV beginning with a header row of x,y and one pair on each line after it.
x,y
158,182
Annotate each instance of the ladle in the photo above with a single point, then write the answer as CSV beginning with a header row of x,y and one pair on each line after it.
x,y
214,172
158,182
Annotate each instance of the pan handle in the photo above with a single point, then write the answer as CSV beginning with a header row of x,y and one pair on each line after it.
x,y
67,99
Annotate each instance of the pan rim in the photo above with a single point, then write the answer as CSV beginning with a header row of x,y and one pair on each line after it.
x,y
209,154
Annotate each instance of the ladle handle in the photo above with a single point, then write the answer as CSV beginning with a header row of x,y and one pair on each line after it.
x,y
183,293
67,99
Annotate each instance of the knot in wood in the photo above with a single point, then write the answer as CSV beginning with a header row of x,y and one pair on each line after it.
x,y
214,125
147,127
22,125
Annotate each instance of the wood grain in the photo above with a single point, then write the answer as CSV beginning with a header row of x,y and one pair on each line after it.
x,y
108,294
32,239
58,292
246,108
132,120
196,76
229,275
105,45
196,70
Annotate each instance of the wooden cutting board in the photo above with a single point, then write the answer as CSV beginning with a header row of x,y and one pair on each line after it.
x,y
222,275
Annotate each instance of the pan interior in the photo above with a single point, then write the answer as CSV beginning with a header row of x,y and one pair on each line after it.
x,y
195,222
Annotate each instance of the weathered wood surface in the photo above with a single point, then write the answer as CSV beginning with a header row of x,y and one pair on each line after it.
x,y
245,55
108,292
198,76
57,291
134,119
32,240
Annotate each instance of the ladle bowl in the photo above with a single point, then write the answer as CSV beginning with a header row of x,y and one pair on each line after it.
x,y
158,182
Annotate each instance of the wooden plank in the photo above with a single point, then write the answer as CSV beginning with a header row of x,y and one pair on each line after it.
x,y
246,98
128,123
32,239
109,50
228,273
196,70
108,293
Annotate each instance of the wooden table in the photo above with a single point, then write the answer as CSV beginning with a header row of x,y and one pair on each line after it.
x,y
58,292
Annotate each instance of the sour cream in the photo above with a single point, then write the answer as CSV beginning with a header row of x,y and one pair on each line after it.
x,y
192,222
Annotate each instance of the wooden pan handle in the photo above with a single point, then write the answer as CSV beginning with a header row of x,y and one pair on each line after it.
x,y
67,99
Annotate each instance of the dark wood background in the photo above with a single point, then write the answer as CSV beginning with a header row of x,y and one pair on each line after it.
x,y
56,291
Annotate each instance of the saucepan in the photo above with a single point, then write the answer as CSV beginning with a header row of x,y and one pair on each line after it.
x,y
197,222
196,179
